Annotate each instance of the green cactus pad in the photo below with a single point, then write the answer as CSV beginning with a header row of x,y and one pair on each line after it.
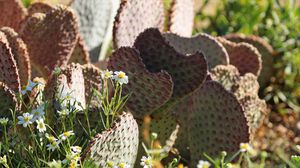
x,y
265,50
247,85
80,54
58,27
12,12
213,50
187,72
92,80
227,75
244,56
8,101
134,16
255,110
118,144
217,122
95,17
148,90
9,72
182,17
39,7
20,54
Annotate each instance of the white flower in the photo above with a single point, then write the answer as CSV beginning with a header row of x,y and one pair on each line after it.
x,y
76,149
50,138
146,162
122,165
245,147
53,145
63,112
120,77
41,125
25,120
38,112
106,74
30,86
203,164
3,121
66,135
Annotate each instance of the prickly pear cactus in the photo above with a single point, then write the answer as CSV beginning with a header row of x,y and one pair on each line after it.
x,y
217,122
80,54
244,56
12,12
59,26
8,66
264,49
20,54
8,101
181,17
116,145
95,18
134,16
213,50
54,2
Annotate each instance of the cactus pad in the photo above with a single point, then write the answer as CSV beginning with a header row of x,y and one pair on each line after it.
x,y
60,28
188,73
92,80
217,122
148,90
213,50
80,54
12,12
227,75
182,17
265,50
118,144
9,72
54,2
39,7
8,101
247,85
20,54
134,16
244,56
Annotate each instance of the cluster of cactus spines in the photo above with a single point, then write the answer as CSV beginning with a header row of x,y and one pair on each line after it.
x,y
118,144
12,12
217,122
213,50
264,49
128,26
142,82
181,19
20,54
39,7
8,65
245,88
8,100
244,56
95,20
59,26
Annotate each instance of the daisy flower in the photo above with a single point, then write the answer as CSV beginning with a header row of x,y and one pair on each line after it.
x,y
245,147
76,149
120,77
53,145
106,74
122,165
203,164
38,112
50,138
25,120
30,86
146,162
41,125
66,135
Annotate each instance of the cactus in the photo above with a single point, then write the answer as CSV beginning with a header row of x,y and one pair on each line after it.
x,y
264,49
213,50
244,56
127,27
95,17
58,26
12,12
8,101
54,2
118,144
80,54
182,17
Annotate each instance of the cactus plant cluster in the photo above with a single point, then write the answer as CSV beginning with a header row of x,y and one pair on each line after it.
x,y
203,97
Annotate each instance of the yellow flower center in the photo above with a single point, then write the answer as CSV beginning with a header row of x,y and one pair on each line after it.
x,y
244,146
206,166
147,162
121,165
26,119
51,139
107,74
66,134
121,75
36,113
